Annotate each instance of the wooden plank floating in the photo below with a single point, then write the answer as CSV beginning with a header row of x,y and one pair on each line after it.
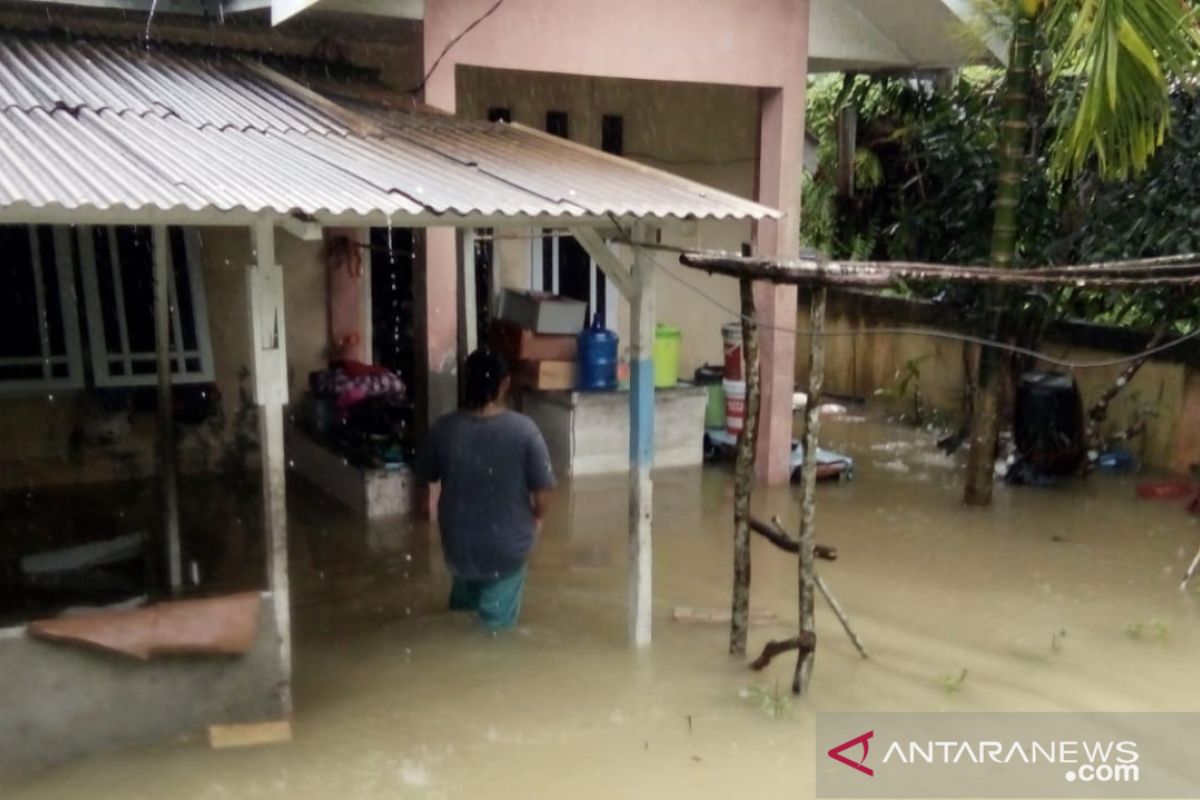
x,y
253,734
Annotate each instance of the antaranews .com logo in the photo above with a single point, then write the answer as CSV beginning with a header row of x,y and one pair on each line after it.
x,y
1004,755
1104,762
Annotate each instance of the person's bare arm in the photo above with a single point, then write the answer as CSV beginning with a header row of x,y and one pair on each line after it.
x,y
541,506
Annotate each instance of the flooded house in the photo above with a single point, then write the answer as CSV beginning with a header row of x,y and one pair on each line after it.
x,y
210,211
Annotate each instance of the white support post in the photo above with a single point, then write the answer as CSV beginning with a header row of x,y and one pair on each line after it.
x,y
468,307
268,332
641,444
166,422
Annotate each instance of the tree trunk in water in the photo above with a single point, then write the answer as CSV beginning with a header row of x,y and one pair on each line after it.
x,y
808,494
1010,164
743,482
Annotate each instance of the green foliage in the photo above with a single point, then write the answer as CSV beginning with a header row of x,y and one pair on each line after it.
x,y
1113,60
927,193
907,385
935,155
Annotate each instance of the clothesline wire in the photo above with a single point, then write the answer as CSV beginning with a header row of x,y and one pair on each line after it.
x,y
930,332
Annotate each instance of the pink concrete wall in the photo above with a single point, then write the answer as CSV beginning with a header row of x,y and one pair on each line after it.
x,y
347,283
741,42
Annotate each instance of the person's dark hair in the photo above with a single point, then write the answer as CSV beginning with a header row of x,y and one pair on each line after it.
x,y
485,371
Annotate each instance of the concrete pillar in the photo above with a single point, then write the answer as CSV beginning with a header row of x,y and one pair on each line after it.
x,y
268,334
349,279
780,170
641,445
436,280
168,457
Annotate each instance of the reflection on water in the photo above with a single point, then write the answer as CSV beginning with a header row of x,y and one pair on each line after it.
x,y
1038,599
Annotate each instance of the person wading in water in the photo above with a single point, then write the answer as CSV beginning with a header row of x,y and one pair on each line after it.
x,y
496,480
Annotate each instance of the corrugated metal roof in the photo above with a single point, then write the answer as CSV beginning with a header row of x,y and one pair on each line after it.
x,y
99,126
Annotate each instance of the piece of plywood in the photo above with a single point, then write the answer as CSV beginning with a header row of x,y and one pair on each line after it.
x,y
250,734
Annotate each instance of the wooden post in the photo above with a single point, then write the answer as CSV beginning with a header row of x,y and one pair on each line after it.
x,y
808,490
744,480
269,362
168,458
840,613
641,444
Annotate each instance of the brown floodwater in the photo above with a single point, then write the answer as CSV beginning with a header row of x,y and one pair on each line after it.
x,y
1054,599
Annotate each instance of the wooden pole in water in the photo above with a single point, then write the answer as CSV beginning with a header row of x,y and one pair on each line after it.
x,y
1191,572
840,613
808,491
743,482
166,421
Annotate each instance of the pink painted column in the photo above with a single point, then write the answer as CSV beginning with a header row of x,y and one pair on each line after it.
x,y
345,259
437,281
780,170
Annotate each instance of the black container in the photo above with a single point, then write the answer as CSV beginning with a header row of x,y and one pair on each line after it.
x,y
1048,424
708,375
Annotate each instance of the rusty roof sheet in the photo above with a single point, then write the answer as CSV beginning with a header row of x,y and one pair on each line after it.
x,y
99,126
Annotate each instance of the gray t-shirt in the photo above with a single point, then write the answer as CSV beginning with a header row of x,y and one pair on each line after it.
x,y
488,467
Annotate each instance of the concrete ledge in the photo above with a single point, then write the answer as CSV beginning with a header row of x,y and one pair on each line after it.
x,y
61,701
587,433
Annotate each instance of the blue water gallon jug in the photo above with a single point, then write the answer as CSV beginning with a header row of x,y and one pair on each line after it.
x,y
597,357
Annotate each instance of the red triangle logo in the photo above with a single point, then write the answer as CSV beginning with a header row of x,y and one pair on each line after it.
x,y
864,740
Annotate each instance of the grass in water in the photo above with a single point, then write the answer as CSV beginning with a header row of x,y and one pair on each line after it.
x,y
774,703
1155,631
952,684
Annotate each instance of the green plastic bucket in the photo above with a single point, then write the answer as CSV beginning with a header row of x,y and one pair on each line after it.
x,y
667,341
714,412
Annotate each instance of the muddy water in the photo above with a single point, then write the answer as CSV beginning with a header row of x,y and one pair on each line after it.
x,y
1039,600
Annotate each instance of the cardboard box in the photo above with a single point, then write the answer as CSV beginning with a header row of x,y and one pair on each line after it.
x,y
518,344
549,375
543,313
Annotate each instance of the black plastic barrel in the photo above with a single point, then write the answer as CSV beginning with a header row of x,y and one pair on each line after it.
x,y
1048,424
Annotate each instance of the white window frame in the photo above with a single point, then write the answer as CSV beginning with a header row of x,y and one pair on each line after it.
x,y
69,313
103,359
537,274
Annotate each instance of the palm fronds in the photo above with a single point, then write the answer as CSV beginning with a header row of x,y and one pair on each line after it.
x,y
1119,57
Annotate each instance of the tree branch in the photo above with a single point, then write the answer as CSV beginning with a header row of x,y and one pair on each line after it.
x,y
805,643
777,537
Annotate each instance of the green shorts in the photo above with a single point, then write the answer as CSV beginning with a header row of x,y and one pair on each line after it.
x,y
497,601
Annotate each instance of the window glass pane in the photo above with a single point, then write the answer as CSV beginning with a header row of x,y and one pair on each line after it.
x,y
136,255
392,300
183,287
612,134
22,372
106,288
574,270
54,318
547,260
19,336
